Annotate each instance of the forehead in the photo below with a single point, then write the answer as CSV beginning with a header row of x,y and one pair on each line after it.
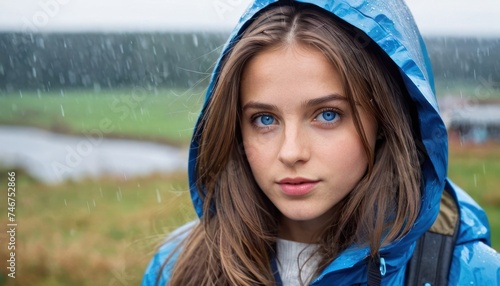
x,y
292,71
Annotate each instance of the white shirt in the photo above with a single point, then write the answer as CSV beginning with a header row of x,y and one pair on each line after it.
x,y
292,256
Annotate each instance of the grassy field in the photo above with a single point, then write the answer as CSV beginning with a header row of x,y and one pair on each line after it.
x,y
476,169
100,232
475,90
164,115
104,231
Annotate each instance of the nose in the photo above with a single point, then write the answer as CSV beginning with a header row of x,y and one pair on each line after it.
x,y
294,148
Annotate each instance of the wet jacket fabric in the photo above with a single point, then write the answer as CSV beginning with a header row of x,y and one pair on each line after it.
x,y
390,24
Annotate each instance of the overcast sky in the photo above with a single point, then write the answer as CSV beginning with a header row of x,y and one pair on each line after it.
x,y
434,17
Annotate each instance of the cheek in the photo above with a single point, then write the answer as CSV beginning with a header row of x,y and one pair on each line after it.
x,y
257,162
260,156
253,154
343,156
255,147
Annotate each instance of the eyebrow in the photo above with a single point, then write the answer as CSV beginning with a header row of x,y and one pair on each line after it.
x,y
308,104
259,105
324,99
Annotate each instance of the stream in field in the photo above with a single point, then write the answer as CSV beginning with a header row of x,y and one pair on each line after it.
x,y
52,158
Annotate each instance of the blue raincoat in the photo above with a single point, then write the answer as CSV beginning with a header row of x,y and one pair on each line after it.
x,y
389,24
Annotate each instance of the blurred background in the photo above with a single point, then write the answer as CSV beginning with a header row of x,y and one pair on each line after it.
x,y
98,100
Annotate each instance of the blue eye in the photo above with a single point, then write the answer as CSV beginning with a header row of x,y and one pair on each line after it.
x,y
327,115
264,120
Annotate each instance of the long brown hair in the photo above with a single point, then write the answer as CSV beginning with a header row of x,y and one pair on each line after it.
x,y
235,240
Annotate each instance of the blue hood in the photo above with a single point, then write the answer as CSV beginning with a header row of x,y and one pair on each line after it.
x,y
390,24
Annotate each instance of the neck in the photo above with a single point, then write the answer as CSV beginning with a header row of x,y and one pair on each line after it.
x,y
300,231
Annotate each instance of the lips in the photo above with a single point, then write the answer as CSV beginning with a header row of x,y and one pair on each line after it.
x,y
297,186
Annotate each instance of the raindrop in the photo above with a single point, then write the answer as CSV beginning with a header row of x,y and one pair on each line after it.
x,y
93,202
39,93
195,40
117,196
88,207
158,196
34,72
65,203
72,77
100,191
62,111
154,50
62,93
20,94
61,78
2,72
40,43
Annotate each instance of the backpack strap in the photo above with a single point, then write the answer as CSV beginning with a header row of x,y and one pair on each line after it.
x,y
431,260
374,276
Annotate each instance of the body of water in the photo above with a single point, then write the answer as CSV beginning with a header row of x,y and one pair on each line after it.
x,y
52,158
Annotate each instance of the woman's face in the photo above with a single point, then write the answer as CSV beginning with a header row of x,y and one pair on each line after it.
x,y
299,136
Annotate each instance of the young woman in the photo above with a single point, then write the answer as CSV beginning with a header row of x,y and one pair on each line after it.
x,y
320,156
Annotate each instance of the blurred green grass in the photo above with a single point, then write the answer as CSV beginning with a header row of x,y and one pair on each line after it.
x,y
476,169
164,115
481,89
92,232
